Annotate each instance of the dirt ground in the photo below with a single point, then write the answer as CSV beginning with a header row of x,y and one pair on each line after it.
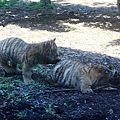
x,y
87,30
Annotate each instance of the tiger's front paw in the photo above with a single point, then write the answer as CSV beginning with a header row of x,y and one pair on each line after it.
x,y
27,81
87,91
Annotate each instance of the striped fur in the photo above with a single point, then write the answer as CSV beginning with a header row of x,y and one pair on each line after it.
x,y
80,76
118,4
14,50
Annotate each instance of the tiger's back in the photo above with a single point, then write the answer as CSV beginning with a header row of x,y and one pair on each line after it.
x,y
68,72
12,49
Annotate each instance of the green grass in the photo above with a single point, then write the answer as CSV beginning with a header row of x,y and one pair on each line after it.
x,y
49,109
26,4
39,5
10,86
70,29
7,3
7,87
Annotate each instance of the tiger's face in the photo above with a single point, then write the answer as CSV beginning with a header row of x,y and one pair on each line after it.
x,y
102,74
51,52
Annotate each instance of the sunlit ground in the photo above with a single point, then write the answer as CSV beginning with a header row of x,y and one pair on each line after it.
x,y
77,36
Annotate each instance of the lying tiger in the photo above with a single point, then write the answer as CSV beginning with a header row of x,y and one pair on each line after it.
x,y
14,50
80,76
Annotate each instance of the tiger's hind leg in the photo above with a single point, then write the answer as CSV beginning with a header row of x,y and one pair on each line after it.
x,y
27,73
10,67
7,68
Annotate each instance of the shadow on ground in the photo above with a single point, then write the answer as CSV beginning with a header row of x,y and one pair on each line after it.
x,y
115,42
52,20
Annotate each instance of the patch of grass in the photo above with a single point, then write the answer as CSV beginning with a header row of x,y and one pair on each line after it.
x,y
11,95
19,66
7,3
10,89
49,110
34,85
26,4
70,29
68,106
7,86
38,5
39,69
19,115
5,83
25,95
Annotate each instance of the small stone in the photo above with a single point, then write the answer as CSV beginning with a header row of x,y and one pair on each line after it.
x,y
110,111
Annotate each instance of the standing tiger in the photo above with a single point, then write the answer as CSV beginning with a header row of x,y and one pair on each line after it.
x,y
80,76
118,4
14,50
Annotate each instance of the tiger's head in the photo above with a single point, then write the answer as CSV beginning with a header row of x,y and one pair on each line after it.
x,y
51,52
101,74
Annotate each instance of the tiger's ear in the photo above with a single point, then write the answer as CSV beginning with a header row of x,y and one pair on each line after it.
x,y
97,67
54,39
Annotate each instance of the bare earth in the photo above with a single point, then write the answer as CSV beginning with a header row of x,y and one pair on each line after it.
x,y
86,30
